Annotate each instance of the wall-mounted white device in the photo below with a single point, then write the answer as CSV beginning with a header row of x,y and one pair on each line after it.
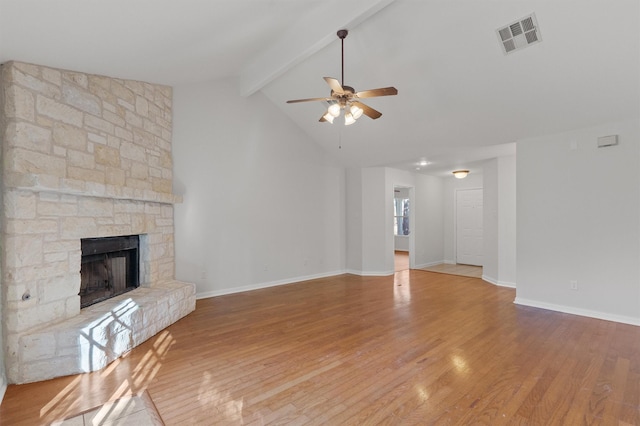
x,y
610,140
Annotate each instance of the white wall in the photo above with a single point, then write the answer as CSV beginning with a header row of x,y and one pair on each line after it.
x,y
401,242
377,214
499,208
451,185
370,221
426,244
578,218
426,216
354,220
370,217
429,234
507,221
401,192
263,204
490,222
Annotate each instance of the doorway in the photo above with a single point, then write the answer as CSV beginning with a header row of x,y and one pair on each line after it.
x,y
402,227
469,227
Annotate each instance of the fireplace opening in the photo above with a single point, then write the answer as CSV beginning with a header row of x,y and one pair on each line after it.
x,y
109,267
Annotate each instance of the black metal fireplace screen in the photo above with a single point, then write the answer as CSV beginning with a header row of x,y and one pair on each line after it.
x,y
109,267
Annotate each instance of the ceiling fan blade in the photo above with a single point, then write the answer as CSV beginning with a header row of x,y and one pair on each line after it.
x,y
335,85
367,110
293,101
383,91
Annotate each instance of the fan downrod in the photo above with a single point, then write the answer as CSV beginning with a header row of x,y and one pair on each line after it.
x,y
342,34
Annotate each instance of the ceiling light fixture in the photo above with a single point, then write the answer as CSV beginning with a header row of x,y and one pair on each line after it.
x,y
345,98
460,174
349,118
356,111
351,112
334,109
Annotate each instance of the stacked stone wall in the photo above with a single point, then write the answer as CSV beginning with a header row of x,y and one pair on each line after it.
x,y
82,156
3,376
87,134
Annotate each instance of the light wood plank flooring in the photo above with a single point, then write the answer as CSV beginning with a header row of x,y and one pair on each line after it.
x,y
456,269
417,348
401,260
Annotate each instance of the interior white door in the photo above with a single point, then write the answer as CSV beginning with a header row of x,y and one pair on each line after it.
x,y
469,227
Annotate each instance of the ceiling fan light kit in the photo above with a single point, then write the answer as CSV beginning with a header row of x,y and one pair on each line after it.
x,y
345,98
356,111
334,109
328,117
349,119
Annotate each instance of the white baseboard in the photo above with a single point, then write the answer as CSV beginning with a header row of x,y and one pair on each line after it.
x,y
428,265
370,273
489,279
498,282
232,290
577,311
3,389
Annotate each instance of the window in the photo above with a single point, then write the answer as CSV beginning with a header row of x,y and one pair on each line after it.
x,y
401,216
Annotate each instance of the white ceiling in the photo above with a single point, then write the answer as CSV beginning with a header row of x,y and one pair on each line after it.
x,y
460,100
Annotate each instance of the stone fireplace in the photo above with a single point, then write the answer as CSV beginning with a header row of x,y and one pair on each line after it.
x,y
85,157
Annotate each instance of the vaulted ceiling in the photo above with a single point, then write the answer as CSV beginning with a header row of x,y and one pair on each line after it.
x,y
461,99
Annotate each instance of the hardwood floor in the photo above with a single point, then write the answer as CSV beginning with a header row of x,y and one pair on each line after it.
x,y
456,269
401,260
417,348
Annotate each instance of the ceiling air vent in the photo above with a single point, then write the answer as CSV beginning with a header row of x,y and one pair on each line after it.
x,y
520,34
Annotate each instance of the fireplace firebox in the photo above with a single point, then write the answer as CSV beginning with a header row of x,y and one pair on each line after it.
x,y
109,268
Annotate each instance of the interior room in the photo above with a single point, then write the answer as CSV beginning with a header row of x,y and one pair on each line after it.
x,y
256,202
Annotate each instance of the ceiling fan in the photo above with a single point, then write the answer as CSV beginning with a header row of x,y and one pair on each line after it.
x,y
345,98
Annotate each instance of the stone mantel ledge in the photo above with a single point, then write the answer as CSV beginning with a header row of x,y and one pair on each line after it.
x,y
101,191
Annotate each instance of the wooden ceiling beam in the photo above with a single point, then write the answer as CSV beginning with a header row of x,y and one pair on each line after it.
x,y
308,36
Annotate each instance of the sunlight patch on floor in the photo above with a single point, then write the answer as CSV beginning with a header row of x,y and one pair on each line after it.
x,y
124,407
129,410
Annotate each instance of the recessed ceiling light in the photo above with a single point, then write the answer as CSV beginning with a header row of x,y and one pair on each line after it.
x,y
423,163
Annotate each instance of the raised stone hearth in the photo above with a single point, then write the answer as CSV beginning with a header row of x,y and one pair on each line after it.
x,y
102,332
84,156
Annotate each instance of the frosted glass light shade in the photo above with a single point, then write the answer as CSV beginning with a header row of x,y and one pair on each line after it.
x,y
460,174
348,119
334,110
356,111
328,117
